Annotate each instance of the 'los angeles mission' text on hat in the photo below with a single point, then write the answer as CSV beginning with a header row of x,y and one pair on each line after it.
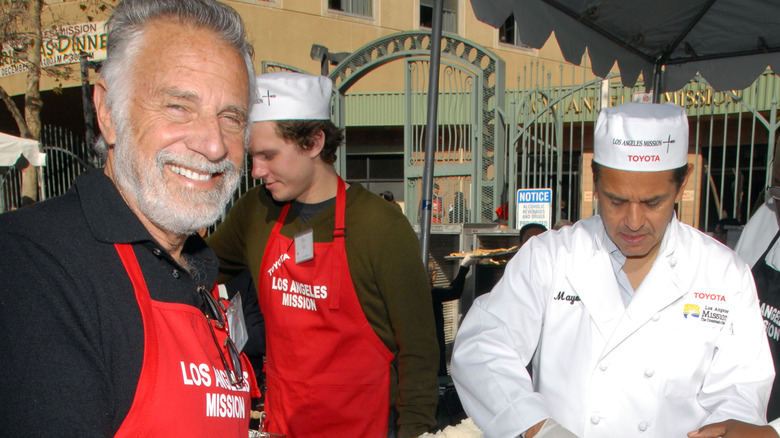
x,y
641,137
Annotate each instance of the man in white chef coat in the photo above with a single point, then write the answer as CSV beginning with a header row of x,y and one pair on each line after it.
x,y
634,323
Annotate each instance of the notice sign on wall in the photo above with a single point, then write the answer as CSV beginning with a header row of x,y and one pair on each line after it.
x,y
534,206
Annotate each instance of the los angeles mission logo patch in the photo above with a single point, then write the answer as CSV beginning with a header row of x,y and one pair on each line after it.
x,y
710,307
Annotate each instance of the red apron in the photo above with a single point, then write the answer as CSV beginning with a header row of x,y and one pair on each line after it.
x,y
327,372
183,389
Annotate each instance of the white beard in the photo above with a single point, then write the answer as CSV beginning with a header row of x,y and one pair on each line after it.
x,y
168,205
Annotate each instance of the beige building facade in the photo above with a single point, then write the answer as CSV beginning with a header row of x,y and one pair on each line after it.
x,y
284,31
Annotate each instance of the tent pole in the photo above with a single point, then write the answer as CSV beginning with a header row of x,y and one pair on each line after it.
x,y
657,83
431,131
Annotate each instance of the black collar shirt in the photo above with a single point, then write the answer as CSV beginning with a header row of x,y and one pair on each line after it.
x,y
71,333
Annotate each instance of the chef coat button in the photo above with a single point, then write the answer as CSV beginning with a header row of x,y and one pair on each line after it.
x,y
175,273
672,261
603,366
595,419
642,426
649,372
156,252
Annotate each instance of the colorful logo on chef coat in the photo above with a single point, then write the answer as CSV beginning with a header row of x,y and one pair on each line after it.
x,y
692,310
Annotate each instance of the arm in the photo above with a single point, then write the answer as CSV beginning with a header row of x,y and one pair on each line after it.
x,y
495,343
455,288
55,380
403,283
228,242
738,381
734,429
460,280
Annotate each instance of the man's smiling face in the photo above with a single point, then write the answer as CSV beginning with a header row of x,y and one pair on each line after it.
x,y
180,151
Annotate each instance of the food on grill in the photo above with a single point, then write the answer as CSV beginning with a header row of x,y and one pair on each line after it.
x,y
485,252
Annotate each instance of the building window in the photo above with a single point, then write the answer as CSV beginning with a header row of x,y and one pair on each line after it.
x,y
356,7
375,167
449,19
508,34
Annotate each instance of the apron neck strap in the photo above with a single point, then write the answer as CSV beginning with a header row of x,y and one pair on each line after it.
x,y
341,200
279,222
771,244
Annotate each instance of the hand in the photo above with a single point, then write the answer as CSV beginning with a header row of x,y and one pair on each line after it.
x,y
733,429
468,261
549,429
530,433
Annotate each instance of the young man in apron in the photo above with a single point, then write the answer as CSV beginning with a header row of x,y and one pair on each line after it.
x,y
348,312
110,324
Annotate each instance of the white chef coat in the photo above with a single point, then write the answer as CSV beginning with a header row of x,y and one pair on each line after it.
x,y
754,240
757,234
688,350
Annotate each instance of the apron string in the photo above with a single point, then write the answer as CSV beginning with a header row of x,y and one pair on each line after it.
x,y
341,197
771,244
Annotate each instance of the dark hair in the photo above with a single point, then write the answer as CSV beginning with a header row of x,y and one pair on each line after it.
x,y
387,195
531,226
678,175
301,132
125,31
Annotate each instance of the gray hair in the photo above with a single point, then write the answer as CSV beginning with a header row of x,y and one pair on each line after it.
x,y
126,28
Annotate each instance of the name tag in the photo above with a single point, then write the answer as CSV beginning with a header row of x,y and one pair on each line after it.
x,y
236,323
304,246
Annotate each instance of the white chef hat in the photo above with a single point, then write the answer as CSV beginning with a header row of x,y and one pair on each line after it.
x,y
292,96
641,137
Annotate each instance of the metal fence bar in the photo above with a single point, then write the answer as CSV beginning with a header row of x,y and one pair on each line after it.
x,y
697,150
736,209
708,178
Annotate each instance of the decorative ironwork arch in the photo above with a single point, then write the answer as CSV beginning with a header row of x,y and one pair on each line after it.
x,y
489,131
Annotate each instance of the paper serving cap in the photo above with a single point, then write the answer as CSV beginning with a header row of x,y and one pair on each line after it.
x,y
291,96
641,137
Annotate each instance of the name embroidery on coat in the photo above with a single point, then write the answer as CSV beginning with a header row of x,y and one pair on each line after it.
x,y
563,297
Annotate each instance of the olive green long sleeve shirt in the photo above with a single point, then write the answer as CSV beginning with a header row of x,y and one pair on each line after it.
x,y
388,275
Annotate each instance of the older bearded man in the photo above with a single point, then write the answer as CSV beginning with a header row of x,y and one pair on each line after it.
x,y
109,320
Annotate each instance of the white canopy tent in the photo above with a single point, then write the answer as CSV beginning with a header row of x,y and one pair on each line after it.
x,y
11,148
729,42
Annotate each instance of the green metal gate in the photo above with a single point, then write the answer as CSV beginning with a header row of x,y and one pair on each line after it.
x,y
470,151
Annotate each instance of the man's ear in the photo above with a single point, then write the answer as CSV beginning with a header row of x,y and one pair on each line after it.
x,y
681,191
105,122
318,142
